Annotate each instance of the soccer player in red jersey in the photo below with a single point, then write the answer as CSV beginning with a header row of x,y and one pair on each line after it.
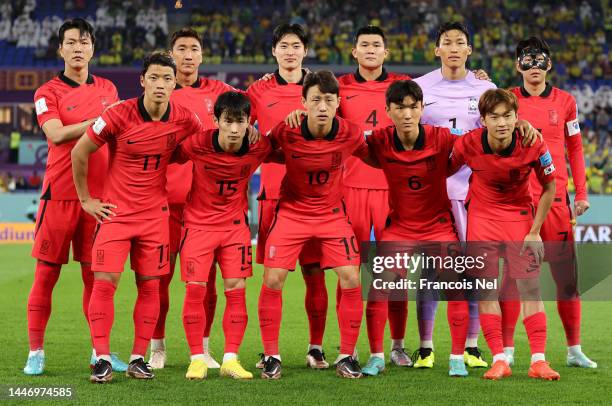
x,y
272,100
216,227
198,94
500,214
141,134
365,188
65,107
553,112
414,159
311,208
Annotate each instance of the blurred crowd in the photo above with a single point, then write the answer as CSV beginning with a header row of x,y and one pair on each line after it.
x,y
21,182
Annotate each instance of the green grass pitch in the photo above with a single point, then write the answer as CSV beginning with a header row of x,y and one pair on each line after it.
x,y
67,350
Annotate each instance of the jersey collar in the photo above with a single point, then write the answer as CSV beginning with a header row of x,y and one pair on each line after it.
x,y
329,137
383,76
195,85
487,148
244,148
145,114
545,93
419,144
71,82
283,82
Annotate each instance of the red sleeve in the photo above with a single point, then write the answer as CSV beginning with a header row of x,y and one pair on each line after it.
x,y
544,167
101,131
573,143
184,150
251,94
361,146
275,136
457,155
45,103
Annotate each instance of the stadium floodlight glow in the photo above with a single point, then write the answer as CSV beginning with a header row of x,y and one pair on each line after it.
x,y
533,57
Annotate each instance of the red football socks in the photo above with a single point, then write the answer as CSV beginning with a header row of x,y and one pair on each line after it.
x,y
88,280
39,302
194,316
164,302
315,303
350,314
376,319
535,325
398,316
491,325
458,321
102,315
235,319
270,311
146,312
570,313
511,309
210,301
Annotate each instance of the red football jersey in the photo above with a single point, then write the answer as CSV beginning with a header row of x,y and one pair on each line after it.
x,y
499,184
417,177
64,99
140,150
199,98
313,184
272,100
363,102
218,199
554,113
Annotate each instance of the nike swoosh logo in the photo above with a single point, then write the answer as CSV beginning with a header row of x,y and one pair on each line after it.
x,y
273,104
130,142
427,104
294,156
209,168
350,97
70,108
244,268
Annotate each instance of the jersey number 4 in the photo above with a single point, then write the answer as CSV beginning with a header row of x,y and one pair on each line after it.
x,y
372,119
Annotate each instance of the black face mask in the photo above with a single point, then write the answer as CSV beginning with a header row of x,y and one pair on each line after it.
x,y
533,57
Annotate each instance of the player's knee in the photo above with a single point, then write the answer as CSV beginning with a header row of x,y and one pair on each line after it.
x,y
348,276
234,283
274,278
113,277
196,283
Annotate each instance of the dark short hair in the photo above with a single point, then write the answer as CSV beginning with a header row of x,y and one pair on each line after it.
x,y
532,42
185,32
80,24
452,25
325,79
493,97
158,58
234,104
370,30
286,29
398,90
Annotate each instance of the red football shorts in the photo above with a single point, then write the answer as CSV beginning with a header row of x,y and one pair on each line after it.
x,y
310,254
176,224
493,239
333,233
558,234
367,208
231,249
60,223
146,241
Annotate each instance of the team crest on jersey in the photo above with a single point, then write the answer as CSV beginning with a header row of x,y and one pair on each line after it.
x,y
244,171
272,252
430,162
553,117
336,160
209,105
171,141
190,268
44,247
104,101
473,105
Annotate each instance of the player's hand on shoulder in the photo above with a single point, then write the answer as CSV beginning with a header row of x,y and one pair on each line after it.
x,y
266,77
581,206
96,208
533,244
294,119
481,74
253,135
528,132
